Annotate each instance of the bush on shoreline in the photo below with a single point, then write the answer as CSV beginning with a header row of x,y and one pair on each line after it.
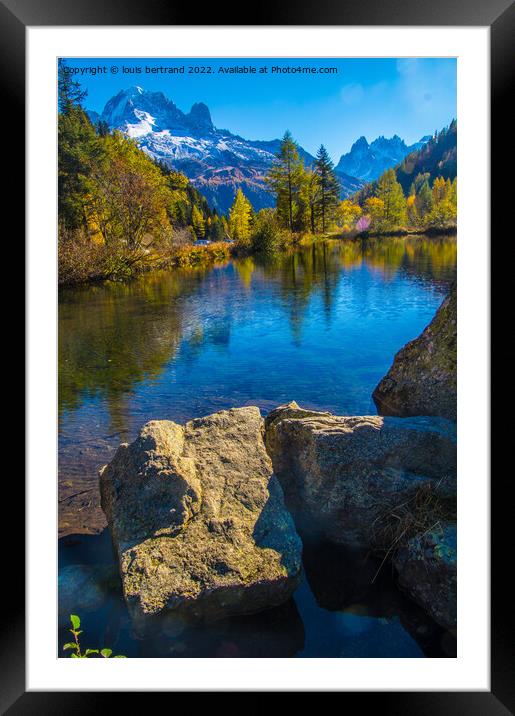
x,y
81,260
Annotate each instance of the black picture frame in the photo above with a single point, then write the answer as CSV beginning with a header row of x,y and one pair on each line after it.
x,y
499,15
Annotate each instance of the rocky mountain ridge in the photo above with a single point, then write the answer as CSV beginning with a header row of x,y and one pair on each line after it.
x,y
216,161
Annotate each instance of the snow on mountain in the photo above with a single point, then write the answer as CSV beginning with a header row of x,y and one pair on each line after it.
x,y
216,161
368,161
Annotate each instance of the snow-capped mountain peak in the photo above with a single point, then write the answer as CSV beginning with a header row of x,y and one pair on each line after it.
x,y
368,161
216,161
137,112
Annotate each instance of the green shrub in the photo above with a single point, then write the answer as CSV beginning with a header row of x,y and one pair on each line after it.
x,y
75,646
267,236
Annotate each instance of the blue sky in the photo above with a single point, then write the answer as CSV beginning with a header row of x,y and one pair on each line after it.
x,y
409,97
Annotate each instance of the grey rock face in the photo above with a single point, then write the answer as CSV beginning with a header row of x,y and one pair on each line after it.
x,y
427,570
199,520
422,379
368,161
342,473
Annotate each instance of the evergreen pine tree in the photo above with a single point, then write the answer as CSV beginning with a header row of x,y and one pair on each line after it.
x,y
424,200
79,151
285,180
69,92
197,222
328,187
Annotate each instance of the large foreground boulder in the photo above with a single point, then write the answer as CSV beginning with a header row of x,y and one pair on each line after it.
x,y
344,476
422,379
427,570
199,520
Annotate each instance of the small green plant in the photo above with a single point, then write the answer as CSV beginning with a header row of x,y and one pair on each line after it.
x,y
76,648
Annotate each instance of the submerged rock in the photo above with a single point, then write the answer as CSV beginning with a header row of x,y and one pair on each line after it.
x,y
422,379
341,475
84,588
199,520
427,570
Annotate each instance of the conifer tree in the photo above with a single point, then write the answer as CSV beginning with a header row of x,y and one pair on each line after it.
x,y
328,187
285,179
424,200
79,151
216,230
390,191
439,190
309,196
70,94
197,222
444,208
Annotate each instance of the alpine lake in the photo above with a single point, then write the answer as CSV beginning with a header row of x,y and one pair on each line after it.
x,y
320,326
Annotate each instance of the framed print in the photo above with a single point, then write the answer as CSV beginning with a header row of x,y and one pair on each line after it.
x,y
258,300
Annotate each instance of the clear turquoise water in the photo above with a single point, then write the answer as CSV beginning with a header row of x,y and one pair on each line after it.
x,y
320,326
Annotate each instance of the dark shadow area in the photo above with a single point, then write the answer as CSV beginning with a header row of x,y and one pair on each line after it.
x,y
277,632
354,582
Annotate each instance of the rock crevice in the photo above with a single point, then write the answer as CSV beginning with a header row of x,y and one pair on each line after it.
x,y
375,483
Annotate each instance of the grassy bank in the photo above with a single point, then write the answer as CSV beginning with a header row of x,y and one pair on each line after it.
x,y
407,231
83,261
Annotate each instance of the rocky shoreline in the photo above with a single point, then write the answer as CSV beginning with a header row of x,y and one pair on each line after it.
x,y
210,519
202,529
422,379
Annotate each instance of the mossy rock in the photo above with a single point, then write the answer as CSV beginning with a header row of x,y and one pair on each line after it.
x,y
422,379
198,520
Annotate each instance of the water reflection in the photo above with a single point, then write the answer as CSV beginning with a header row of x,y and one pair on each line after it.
x,y
319,325
366,607
338,611
115,336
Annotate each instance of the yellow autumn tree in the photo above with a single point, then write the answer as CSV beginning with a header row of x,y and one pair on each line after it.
x,y
374,208
412,210
129,195
240,218
444,210
439,190
347,214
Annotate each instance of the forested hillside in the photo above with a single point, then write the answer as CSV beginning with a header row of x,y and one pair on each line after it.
x,y
437,158
122,211
420,193
116,205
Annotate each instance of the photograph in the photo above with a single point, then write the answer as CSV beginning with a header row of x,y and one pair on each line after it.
x,y
257,357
